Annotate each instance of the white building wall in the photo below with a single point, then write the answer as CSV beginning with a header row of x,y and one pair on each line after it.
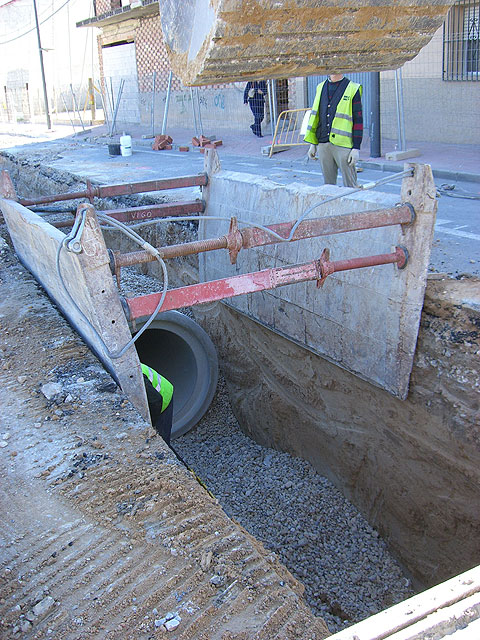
x,y
119,63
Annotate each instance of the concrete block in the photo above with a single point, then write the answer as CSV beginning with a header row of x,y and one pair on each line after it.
x,y
403,155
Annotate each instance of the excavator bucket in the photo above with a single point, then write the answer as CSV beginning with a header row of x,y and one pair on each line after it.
x,y
211,41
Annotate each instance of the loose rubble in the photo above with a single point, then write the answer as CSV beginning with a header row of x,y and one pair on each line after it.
x,y
317,534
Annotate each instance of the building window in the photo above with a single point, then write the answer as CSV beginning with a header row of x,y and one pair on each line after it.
x,y
461,42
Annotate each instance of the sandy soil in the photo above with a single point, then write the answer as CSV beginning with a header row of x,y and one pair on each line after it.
x,y
104,533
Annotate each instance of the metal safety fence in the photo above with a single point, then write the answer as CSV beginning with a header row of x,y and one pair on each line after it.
x,y
75,105
290,130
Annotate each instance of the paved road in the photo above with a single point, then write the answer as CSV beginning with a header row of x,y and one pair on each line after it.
x,y
456,247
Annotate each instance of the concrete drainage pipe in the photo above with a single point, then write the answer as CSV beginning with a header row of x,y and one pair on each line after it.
x,y
178,348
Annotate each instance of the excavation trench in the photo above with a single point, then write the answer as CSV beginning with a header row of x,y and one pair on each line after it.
x,y
292,442
297,513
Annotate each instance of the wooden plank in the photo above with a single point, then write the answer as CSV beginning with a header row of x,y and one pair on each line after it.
x,y
438,607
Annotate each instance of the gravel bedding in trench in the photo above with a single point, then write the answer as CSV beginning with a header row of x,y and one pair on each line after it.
x,y
317,534
294,511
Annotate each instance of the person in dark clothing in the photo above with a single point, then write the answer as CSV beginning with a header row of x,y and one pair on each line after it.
x,y
335,128
254,95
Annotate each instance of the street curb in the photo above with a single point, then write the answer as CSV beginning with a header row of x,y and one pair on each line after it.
x,y
444,174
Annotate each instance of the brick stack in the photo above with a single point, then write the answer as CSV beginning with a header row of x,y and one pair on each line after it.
x,y
162,142
205,143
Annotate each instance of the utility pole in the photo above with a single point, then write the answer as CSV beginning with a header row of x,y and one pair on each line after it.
x,y
375,132
40,51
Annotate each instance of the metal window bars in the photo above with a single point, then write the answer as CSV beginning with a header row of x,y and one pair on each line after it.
x,y
461,42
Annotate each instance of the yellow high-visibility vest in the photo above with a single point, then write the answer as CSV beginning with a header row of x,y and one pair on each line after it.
x,y
160,384
341,132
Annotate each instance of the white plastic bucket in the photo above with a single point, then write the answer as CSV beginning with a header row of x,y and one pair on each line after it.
x,y
126,145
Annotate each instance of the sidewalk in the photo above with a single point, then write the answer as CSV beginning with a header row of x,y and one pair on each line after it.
x,y
448,161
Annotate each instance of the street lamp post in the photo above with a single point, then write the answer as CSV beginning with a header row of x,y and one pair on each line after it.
x,y
40,51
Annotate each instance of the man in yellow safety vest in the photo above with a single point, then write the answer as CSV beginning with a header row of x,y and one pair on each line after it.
x,y
160,401
335,128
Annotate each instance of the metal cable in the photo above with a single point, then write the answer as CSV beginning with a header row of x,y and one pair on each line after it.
x,y
145,245
448,190
249,223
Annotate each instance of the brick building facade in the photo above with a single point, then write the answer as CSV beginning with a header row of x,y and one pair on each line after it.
x,y
138,24
135,25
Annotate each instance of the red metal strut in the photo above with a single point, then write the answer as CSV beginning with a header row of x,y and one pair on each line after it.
x,y
249,237
164,210
121,189
318,270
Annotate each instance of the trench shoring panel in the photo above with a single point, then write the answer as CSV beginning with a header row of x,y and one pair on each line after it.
x,y
366,320
96,311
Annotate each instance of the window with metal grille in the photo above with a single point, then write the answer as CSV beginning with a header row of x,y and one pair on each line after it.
x,y
461,42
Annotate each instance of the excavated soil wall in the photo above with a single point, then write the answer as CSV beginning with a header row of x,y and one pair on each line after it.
x,y
412,467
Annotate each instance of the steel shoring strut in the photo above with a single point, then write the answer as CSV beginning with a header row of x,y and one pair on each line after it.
x,y
149,212
215,290
250,237
91,192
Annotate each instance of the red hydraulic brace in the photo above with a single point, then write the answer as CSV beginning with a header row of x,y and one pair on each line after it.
x,y
107,191
150,212
193,294
250,237
399,257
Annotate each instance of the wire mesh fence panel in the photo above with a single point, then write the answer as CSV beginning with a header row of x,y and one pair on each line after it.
x,y
440,87
121,100
67,104
209,110
15,105
440,93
